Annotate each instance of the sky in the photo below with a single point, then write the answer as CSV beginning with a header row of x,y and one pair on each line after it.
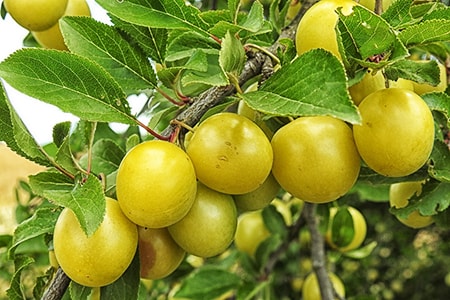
x,y
39,117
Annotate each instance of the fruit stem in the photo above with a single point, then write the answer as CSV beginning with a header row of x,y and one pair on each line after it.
x,y
152,132
265,51
173,101
182,124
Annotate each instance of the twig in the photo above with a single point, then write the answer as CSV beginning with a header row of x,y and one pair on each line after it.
x,y
58,286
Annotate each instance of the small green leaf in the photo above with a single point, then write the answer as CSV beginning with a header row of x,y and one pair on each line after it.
x,y
103,44
185,45
371,192
254,21
248,26
85,197
233,8
126,287
78,291
369,176
73,83
442,13
106,157
421,10
63,156
274,221
314,84
266,248
435,198
198,81
174,14
421,72
232,55
42,222
208,283
361,252
370,33
132,141
426,32
440,162
15,289
287,52
60,132
438,102
398,15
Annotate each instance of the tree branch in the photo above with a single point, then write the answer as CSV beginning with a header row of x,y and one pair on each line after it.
x,y
58,286
318,252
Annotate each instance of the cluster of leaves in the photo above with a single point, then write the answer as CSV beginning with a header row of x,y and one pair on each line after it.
x,y
198,50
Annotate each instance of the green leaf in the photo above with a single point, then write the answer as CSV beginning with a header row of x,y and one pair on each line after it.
x,y
186,44
440,162
426,32
362,252
233,8
274,221
371,192
73,83
15,289
199,80
251,290
421,10
60,132
398,15
103,44
64,157
438,102
208,283
287,52
249,25
266,248
232,55
367,175
442,12
421,72
173,14
42,222
363,35
106,157
84,197
314,84
435,197
152,41
127,286
78,291
254,20
16,135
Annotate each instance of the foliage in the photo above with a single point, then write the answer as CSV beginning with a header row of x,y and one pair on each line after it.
x,y
180,54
